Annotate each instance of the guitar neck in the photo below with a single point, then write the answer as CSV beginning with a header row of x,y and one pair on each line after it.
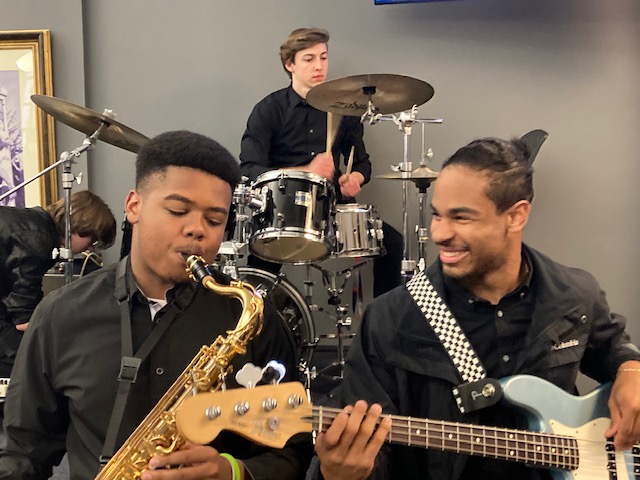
x,y
537,449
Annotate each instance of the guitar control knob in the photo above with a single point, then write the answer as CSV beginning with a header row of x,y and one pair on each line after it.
x,y
212,412
241,408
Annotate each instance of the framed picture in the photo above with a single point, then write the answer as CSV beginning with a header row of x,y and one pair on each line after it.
x,y
27,142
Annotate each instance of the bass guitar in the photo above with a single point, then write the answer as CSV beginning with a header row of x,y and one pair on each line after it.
x,y
566,431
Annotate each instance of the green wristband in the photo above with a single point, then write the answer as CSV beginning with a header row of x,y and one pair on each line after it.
x,y
235,466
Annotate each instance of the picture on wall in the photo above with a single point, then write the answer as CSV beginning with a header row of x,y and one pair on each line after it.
x,y
27,144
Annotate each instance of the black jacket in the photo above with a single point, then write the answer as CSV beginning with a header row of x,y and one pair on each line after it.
x,y
398,361
27,239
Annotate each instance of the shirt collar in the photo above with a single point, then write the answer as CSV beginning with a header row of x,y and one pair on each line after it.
x,y
294,98
525,285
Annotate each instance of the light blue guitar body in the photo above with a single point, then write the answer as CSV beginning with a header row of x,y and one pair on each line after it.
x,y
551,410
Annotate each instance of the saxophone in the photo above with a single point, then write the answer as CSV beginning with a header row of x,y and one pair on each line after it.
x,y
158,434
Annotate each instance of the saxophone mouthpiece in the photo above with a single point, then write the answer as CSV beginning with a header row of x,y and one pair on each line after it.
x,y
197,268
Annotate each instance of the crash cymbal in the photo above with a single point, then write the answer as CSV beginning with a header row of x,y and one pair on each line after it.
x,y
87,121
421,176
388,93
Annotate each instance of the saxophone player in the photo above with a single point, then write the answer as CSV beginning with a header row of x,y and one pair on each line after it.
x,y
65,387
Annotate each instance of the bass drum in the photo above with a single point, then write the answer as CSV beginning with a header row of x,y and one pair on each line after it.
x,y
291,306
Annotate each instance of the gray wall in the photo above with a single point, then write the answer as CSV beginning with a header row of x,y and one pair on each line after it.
x,y
498,67
64,19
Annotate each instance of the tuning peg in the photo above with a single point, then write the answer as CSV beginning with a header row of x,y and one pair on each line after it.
x,y
249,375
273,372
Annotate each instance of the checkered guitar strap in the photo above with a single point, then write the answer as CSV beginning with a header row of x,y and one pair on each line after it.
x,y
446,328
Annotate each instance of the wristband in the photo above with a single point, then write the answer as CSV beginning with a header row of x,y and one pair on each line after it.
x,y
235,466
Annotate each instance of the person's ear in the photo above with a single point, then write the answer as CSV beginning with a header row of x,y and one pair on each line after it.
x,y
518,215
132,206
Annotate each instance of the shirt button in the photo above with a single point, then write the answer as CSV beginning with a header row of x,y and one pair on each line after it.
x,y
313,154
471,301
311,130
522,294
505,358
159,371
500,314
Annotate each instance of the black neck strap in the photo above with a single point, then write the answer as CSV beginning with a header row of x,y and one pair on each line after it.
x,y
130,363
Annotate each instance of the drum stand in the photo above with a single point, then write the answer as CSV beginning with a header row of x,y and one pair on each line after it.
x,y
330,280
405,122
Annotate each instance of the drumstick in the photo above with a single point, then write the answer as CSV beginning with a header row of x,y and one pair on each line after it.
x,y
333,122
349,163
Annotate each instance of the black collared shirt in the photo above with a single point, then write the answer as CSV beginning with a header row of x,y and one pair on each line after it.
x,y
497,334
71,356
283,130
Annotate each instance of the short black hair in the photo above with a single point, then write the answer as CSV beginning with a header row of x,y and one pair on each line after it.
x,y
182,148
506,164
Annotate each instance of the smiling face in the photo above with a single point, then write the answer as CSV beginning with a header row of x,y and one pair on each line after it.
x,y
179,212
309,68
477,245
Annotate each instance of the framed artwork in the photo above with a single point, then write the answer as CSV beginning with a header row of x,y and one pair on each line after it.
x,y
27,141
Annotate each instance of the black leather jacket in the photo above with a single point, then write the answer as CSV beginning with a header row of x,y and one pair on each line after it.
x,y
27,238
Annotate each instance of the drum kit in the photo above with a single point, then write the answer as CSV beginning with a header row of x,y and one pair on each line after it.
x,y
291,217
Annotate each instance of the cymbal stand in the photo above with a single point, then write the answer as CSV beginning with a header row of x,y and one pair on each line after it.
x,y
66,159
342,319
405,122
422,230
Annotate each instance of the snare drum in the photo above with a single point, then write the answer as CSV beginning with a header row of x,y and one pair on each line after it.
x,y
358,231
293,224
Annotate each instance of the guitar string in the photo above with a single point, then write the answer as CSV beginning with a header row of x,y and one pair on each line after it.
x,y
432,435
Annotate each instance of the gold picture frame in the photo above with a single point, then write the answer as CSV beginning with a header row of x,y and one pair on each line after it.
x,y
27,137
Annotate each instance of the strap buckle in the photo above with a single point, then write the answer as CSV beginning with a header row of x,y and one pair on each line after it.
x,y
129,369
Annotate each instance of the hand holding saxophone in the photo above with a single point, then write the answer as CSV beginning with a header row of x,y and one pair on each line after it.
x,y
196,462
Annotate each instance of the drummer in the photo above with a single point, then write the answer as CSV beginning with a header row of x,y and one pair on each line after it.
x,y
285,132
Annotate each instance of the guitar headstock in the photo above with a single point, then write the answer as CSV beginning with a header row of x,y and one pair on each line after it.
x,y
268,415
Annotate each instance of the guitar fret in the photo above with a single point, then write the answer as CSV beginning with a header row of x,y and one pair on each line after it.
x,y
536,449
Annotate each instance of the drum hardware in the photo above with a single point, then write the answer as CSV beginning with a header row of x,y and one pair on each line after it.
x,y
341,317
369,94
244,203
421,176
97,126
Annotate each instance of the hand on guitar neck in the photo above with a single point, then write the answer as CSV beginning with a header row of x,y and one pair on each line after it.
x,y
347,450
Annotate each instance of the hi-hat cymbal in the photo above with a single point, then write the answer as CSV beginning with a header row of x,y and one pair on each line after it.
x,y
87,121
421,176
388,93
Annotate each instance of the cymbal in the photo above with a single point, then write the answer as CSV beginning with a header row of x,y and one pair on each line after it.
x,y
421,176
388,93
87,121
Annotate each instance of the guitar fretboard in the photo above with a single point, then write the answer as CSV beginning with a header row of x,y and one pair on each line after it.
x,y
536,449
